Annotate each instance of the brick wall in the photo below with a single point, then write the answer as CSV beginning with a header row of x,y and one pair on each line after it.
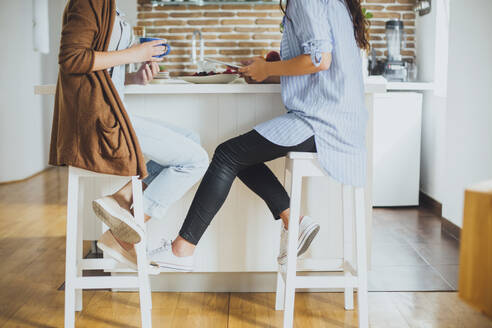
x,y
233,32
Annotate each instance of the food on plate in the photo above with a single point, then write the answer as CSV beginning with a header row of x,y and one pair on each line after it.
x,y
272,56
227,71
204,73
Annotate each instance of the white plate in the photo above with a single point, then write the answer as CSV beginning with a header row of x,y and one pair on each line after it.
x,y
168,81
212,79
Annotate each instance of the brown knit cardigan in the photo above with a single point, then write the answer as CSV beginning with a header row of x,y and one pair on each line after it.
x,y
91,128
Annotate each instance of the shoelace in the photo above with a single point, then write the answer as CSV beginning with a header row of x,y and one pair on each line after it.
x,y
165,246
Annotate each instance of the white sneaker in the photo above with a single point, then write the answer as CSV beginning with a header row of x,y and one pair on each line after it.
x,y
119,220
308,229
110,246
165,258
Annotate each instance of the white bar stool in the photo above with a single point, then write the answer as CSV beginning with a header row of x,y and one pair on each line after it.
x,y
75,283
306,165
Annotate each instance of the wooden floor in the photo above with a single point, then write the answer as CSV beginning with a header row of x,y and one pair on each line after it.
x,y
32,257
411,253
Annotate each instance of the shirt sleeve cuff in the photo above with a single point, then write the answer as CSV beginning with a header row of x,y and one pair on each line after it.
x,y
316,48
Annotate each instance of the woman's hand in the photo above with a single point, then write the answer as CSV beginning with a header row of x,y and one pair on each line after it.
x,y
146,51
144,75
136,54
256,69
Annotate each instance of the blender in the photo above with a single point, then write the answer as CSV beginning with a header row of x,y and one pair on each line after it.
x,y
395,68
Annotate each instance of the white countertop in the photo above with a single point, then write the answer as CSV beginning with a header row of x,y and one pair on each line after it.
x,y
182,88
373,84
410,86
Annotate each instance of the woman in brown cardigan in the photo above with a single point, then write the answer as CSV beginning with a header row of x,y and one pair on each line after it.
x,y
92,130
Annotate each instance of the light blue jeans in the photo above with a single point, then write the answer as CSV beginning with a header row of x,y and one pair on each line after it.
x,y
176,162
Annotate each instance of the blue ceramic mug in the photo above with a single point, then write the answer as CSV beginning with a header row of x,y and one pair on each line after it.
x,y
168,47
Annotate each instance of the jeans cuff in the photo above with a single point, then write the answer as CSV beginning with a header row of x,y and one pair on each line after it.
x,y
152,208
154,170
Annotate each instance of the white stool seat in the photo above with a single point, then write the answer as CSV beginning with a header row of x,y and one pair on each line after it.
x,y
302,155
299,165
75,283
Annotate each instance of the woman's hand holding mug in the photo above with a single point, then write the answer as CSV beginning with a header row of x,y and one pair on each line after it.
x,y
151,51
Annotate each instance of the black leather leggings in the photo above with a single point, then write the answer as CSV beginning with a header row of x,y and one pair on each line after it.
x,y
244,157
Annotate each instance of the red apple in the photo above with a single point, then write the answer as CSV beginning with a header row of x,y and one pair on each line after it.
x,y
273,56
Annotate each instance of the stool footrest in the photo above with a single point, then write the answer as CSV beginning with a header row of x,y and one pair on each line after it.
x,y
336,281
333,280
100,264
106,282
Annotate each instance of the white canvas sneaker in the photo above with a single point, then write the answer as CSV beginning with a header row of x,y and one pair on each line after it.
x,y
308,229
119,220
165,258
110,246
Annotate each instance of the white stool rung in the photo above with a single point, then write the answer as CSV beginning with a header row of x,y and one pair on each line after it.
x,y
100,264
108,282
324,280
332,281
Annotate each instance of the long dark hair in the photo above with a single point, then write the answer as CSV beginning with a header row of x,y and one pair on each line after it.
x,y
358,19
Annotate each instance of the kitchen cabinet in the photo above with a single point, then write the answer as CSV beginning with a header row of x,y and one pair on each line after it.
x,y
396,161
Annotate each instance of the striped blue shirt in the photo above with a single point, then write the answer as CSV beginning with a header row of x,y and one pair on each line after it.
x,y
329,104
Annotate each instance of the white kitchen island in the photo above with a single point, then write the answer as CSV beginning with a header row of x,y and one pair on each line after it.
x,y
238,251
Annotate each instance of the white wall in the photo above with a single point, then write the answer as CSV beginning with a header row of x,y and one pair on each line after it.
x,y
469,111
23,144
432,53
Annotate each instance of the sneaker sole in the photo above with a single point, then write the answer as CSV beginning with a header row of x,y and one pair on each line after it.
x,y
120,229
305,242
153,269
308,239
116,255
173,267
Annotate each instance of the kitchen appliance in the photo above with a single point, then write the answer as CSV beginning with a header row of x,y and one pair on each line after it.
x,y
423,7
395,68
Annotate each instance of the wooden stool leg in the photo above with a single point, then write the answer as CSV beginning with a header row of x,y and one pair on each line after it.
x,y
348,217
360,220
71,269
142,263
295,212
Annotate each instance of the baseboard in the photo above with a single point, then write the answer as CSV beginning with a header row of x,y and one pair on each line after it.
x,y
431,204
450,228
435,208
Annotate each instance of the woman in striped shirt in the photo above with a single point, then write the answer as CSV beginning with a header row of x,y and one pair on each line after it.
x,y
323,92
